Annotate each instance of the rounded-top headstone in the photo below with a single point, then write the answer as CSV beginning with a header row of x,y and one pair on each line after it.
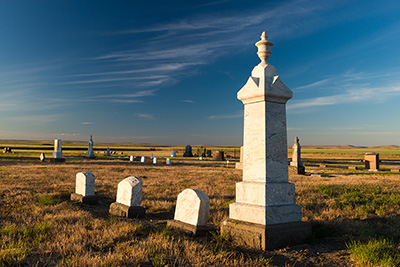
x,y
192,207
130,191
173,154
85,184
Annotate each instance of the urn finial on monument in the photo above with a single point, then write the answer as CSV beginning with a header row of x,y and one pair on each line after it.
x,y
264,47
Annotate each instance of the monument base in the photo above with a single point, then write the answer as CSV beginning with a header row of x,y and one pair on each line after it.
x,y
84,199
122,210
57,160
264,237
189,229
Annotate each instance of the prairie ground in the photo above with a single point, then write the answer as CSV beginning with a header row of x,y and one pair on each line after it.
x,y
40,226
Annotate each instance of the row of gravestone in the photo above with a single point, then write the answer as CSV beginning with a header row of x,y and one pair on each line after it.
x,y
191,212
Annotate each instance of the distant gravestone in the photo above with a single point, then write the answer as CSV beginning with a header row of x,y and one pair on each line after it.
x,y
191,212
173,154
90,153
168,161
129,198
239,165
42,157
155,160
131,158
143,159
151,155
57,154
108,152
188,151
372,161
296,157
84,188
218,155
209,154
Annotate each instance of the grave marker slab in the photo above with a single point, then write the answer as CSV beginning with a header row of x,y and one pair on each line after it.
x,y
372,161
191,212
84,188
129,198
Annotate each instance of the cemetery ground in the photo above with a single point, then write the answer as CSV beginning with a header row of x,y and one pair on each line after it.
x,y
355,214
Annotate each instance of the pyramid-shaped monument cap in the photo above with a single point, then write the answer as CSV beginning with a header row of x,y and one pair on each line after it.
x,y
264,83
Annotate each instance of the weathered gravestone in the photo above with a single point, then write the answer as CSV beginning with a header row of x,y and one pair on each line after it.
x,y
151,156
191,212
218,155
296,157
90,153
168,161
209,154
372,161
131,158
265,215
84,188
143,159
129,198
108,152
155,160
188,151
173,154
57,154
239,165
42,157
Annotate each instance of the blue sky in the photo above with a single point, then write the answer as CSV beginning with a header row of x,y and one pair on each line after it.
x,y
168,71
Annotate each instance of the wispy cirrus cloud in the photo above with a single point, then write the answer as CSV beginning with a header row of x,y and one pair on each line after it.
x,y
144,116
349,88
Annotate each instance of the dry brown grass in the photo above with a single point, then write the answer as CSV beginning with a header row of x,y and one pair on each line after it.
x,y
39,226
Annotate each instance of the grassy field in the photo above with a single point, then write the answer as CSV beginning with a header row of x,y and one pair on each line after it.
x,y
355,214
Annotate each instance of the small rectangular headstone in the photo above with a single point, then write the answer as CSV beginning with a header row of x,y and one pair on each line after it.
x,y
131,158
155,160
173,154
143,159
192,207
168,161
85,183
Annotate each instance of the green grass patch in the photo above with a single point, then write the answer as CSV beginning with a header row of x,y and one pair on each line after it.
x,y
49,200
376,252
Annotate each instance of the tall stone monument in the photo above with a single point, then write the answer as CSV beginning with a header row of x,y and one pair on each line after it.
x,y
265,215
90,153
57,154
296,157
188,151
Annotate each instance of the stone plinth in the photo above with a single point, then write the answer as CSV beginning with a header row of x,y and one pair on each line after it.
x,y
371,161
122,210
57,154
269,237
265,200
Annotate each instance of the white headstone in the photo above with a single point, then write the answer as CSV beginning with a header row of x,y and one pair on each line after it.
x,y
192,207
130,191
173,154
57,154
85,184
143,159
168,161
155,160
201,158
265,195
42,157
296,156
131,158
108,151
90,153
151,155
